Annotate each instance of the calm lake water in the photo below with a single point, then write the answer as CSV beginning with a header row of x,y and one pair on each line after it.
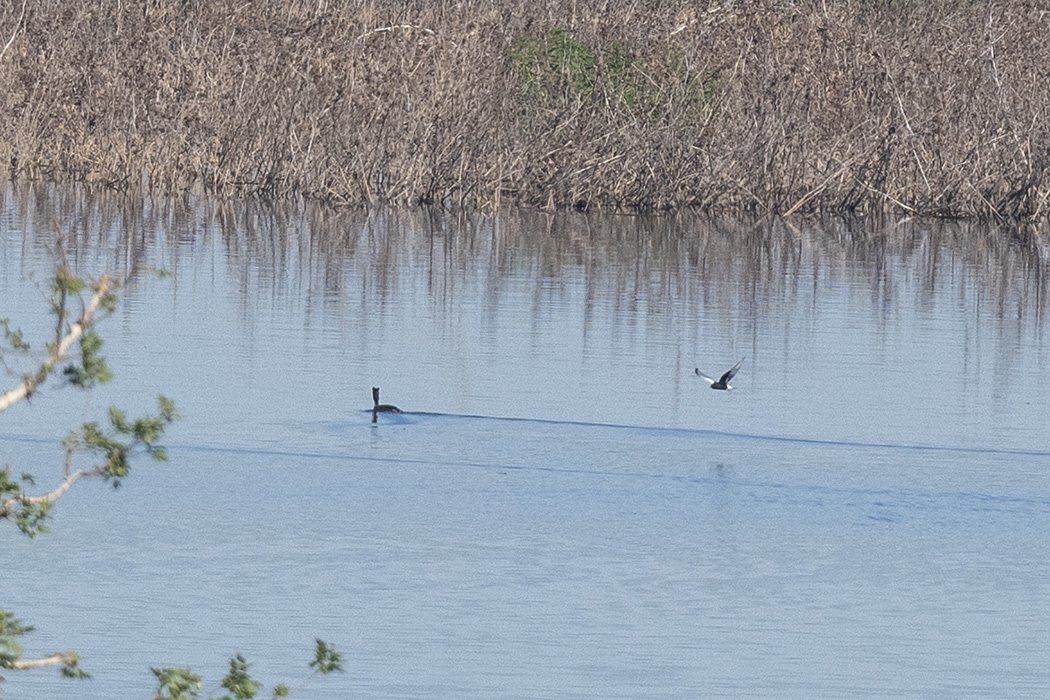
x,y
565,510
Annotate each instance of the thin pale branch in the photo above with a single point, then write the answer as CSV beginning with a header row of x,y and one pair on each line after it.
x,y
69,479
56,659
59,350
18,27
817,190
59,490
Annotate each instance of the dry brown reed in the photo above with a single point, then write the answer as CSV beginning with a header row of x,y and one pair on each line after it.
x,y
769,106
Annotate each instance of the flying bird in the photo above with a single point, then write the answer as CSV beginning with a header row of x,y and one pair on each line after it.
x,y
723,382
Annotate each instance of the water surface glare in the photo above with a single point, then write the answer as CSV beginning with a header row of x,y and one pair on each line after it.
x,y
563,510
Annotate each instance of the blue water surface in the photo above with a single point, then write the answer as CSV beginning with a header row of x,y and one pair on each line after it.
x,y
564,509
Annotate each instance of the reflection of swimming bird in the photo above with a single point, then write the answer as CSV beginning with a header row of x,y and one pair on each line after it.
x,y
723,382
382,407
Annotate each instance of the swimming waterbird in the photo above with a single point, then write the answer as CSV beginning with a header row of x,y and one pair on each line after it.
x,y
381,407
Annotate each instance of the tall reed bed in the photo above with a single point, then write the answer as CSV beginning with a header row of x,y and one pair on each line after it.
x,y
933,107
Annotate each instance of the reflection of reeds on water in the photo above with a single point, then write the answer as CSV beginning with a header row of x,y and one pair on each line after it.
x,y
937,107
644,266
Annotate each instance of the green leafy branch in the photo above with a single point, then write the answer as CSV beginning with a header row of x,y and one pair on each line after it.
x,y
11,651
112,446
109,448
184,684
92,368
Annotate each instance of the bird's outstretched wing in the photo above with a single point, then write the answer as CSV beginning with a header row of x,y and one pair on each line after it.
x,y
703,376
731,373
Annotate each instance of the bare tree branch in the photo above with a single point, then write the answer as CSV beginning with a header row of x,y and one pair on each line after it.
x,y
56,659
50,497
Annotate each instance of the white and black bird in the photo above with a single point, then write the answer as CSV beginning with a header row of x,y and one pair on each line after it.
x,y
723,382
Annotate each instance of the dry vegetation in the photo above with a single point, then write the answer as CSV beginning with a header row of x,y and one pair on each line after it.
x,y
932,107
